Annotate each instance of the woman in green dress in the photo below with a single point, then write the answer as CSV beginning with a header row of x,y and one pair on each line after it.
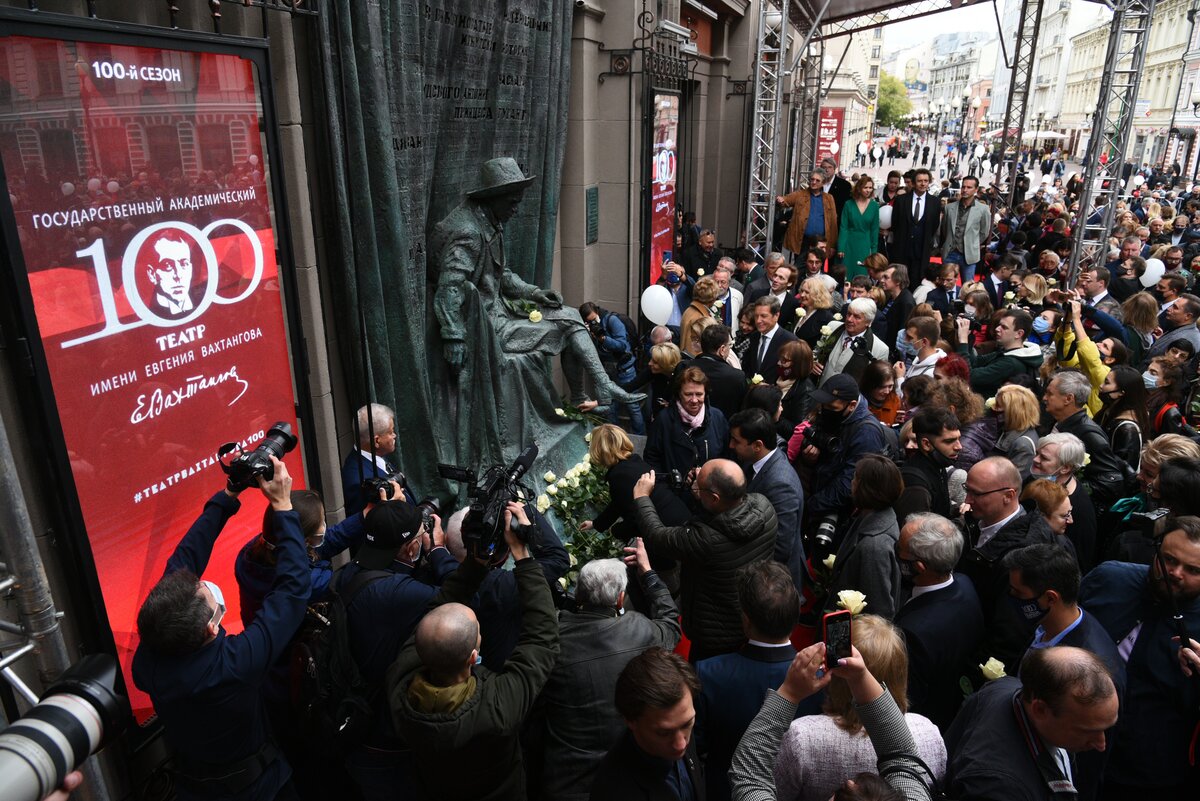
x,y
858,227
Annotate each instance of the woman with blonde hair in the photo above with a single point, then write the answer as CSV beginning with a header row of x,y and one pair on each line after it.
x,y
817,302
1019,414
611,451
704,294
1032,292
658,373
819,752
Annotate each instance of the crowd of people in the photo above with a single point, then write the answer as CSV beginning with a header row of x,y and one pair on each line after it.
x,y
924,425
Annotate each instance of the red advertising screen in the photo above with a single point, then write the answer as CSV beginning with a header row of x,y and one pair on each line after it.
x,y
138,179
829,133
662,183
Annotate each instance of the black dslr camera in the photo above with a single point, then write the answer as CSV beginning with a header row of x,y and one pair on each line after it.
x,y
674,479
483,527
826,442
596,328
243,468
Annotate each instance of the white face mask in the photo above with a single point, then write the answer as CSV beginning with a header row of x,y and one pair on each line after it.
x,y
219,598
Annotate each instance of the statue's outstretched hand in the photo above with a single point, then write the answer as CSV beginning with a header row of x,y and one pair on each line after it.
x,y
548,297
456,354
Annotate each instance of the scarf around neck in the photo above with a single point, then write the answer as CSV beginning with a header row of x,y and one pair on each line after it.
x,y
691,422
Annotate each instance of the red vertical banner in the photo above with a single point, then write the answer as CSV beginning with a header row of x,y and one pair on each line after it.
x,y
829,133
663,169
138,180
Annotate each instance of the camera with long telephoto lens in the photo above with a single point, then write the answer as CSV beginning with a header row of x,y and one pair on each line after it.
x,y
244,468
824,542
77,715
483,527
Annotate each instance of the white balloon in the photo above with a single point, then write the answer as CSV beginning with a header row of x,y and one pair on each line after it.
x,y
253,159
113,187
1154,271
93,184
834,147
68,188
862,148
657,303
979,151
885,217
1138,180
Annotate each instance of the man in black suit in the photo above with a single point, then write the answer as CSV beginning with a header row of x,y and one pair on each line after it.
x,y
837,186
761,285
762,357
899,306
916,218
753,441
942,621
997,284
702,256
726,383
783,287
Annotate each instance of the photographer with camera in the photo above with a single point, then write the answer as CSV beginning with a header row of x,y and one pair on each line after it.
x,y
376,431
617,351
844,431
1012,357
735,528
462,720
206,685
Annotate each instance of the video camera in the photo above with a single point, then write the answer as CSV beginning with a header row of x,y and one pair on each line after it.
x,y
483,527
243,468
77,715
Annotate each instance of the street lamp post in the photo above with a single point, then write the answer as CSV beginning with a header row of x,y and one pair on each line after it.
x,y
1089,112
1041,117
976,102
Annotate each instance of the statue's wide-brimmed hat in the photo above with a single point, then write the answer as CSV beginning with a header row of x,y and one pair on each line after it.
x,y
500,177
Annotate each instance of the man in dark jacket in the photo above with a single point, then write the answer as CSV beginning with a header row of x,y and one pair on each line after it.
x,y
734,685
206,684
752,439
1149,757
1016,738
462,720
596,642
701,258
655,759
926,482
1065,400
1012,357
899,306
999,524
1049,574
387,590
845,416
497,604
942,621
734,529
726,383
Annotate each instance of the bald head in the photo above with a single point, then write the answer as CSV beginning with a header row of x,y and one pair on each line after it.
x,y
993,486
447,638
722,484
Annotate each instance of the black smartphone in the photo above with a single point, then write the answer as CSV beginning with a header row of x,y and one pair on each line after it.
x,y
835,630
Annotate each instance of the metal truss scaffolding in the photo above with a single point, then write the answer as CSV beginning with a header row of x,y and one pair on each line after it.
x,y
1111,127
809,89
768,97
1028,26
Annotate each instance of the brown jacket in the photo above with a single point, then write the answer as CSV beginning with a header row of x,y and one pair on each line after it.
x,y
794,240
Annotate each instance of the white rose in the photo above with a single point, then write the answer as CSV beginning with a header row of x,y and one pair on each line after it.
x,y
990,404
993,669
574,482
699,272
828,561
837,317
800,312
587,437
756,379
562,482
852,600
571,473
585,468
1009,296
552,489
572,560
560,412
543,503
826,330
535,316
550,477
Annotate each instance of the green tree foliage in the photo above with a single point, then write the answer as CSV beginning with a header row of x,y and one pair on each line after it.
x,y
892,101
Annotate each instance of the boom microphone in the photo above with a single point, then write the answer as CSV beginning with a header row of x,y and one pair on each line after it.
x,y
521,466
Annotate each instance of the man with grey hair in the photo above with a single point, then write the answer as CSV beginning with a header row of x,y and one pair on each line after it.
x,y
375,430
942,621
854,347
1058,458
596,641
814,219
730,293
1183,315
1065,400
762,285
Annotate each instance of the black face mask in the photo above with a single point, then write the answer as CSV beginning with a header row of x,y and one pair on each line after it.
x,y
831,418
1158,296
1108,397
939,458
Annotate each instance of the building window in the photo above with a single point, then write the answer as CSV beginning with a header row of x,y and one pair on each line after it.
x,y
874,72
875,51
879,33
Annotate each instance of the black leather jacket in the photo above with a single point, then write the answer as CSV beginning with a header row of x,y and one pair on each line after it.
x,y
1105,473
